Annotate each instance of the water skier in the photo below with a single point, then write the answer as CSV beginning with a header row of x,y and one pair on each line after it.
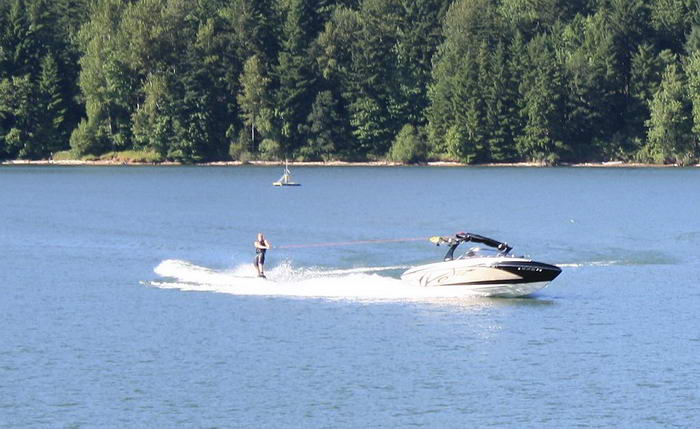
x,y
261,246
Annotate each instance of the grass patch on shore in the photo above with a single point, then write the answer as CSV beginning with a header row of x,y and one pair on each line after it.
x,y
64,155
125,156
132,156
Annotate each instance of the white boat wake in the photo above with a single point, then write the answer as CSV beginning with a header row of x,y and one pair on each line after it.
x,y
361,284
284,280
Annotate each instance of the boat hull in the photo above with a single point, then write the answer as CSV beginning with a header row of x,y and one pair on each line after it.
x,y
506,290
486,276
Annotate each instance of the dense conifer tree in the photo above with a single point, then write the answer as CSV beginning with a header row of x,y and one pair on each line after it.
x,y
417,40
670,124
693,75
499,95
18,42
542,93
326,130
295,72
104,81
50,131
645,75
254,28
254,100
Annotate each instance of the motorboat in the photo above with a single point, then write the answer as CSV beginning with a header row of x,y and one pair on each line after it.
x,y
286,179
479,273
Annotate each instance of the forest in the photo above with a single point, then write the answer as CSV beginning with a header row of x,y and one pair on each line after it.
x,y
474,81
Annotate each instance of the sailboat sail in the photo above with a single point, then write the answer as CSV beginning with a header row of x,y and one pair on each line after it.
x,y
286,179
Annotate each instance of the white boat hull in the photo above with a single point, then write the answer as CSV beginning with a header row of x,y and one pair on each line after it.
x,y
485,276
512,290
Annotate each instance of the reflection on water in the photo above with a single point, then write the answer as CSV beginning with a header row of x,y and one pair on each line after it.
x,y
527,301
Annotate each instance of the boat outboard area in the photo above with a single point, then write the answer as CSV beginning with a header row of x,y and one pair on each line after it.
x,y
479,273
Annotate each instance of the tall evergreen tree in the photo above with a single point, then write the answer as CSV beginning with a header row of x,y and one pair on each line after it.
x,y
104,81
254,99
326,130
295,72
418,37
499,95
672,20
18,42
542,97
18,108
670,125
464,138
334,53
455,95
50,131
254,25
595,101
693,74
376,103
531,17
153,125
645,76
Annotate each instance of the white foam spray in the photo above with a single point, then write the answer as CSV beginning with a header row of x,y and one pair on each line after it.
x,y
284,280
361,284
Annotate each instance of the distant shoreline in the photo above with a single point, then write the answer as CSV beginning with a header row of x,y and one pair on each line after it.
x,y
618,164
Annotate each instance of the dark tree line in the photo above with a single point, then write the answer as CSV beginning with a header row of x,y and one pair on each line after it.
x,y
409,80
39,93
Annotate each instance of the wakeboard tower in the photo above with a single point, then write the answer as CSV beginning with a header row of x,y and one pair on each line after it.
x,y
477,273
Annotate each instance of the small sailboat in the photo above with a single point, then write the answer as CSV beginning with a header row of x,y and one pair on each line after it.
x,y
286,179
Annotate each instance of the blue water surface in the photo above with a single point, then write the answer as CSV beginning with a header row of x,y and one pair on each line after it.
x,y
86,340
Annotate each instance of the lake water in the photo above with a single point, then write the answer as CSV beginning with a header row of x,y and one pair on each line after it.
x,y
123,301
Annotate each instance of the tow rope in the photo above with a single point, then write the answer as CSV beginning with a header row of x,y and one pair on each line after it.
x,y
349,243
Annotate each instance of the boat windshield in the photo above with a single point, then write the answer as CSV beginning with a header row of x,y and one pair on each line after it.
x,y
462,237
474,252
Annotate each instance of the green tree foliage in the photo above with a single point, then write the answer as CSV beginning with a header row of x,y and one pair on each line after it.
x,y
645,76
417,39
693,75
407,147
477,80
104,80
297,80
153,125
670,137
692,43
542,92
254,28
672,19
254,100
34,114
499,95
327,132
50,132
596,103
534,16
462,65
37,64
19,43
18,110
340,59
154,79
